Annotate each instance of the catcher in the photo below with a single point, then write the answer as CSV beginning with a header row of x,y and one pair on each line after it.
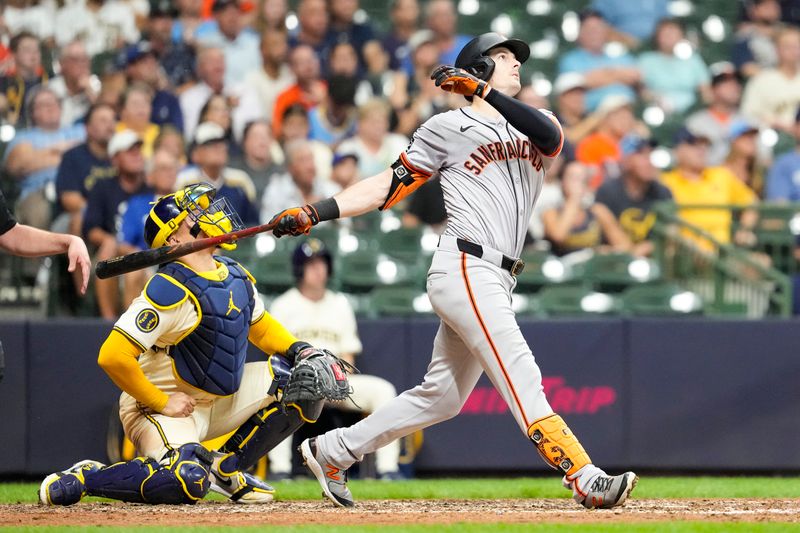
x,y
178,353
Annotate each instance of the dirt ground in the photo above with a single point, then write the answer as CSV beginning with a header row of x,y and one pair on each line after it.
x,y
399,512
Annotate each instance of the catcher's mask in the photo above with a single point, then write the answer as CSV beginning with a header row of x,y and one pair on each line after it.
x,y
197,202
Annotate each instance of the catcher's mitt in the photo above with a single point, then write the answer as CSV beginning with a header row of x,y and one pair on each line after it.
x,y
318,375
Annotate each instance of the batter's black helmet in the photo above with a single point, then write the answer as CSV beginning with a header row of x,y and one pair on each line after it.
x,y
473,59
305,252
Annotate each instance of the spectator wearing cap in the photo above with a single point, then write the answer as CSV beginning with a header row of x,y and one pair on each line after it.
x,y
601,150
209,156
104,209
142,68
404,15
742,159
33,155
175,58
570,92
754,45
299,185
274,76
692,182
243,99
715,120
343,27
313,22
604,74
309,89
85,165
76,85
240,45
135,112
102,26
578,224
261,157
334,119
16,85
632,23
630,198
344,169
672,79
375,147
296,126
783,180
772,97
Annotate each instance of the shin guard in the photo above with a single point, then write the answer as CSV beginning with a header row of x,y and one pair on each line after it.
x,y
182,477
557,445
257,436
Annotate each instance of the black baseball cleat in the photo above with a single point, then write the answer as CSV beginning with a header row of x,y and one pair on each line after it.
x,y
333,480
606,492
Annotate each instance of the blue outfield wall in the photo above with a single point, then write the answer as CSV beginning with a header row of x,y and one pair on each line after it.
x,y
645,393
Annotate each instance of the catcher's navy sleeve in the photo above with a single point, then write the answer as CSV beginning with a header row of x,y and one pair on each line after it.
x,y
541,128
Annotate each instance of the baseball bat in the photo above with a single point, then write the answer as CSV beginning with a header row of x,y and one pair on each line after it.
x,y
147,258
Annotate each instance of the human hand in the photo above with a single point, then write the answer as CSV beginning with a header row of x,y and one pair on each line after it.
x,y
459,81
78,257
179,405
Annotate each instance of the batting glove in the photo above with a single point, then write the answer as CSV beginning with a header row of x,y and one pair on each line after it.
x,y
295,221
459,81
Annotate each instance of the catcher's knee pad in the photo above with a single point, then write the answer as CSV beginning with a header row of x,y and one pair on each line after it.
x,y
181,477
557,445
257,436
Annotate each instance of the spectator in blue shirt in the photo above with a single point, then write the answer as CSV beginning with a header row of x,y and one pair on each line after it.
x,y
633,21
86,164
34,154
240,44
141,66
161,180
671,78
783,180
176,58
334,119
604,74
405,22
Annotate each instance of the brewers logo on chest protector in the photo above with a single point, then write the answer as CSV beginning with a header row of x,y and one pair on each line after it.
x,y
211,355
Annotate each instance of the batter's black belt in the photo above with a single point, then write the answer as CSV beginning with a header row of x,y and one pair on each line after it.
x,y
514,266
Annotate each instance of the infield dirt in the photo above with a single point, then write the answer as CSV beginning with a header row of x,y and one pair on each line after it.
x,y
399,512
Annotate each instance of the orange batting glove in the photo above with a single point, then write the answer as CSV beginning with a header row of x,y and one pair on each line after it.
x,y
459,81
294,221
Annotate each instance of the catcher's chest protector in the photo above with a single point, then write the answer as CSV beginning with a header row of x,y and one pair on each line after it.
x,y
211,356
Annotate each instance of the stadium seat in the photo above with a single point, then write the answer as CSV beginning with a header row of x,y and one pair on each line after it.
x,y
665,299
402,243
541,268
273,272
362,271
614,272
400,301
575,301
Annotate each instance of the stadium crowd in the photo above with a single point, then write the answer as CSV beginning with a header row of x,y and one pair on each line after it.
x,y
106,105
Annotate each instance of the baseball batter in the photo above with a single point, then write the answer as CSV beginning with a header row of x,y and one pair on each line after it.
x,y
491,157
178,353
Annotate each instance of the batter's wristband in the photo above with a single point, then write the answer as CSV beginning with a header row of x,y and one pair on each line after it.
x,y
326,209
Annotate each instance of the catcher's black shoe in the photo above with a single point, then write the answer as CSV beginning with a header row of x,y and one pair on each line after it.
x,y
333,480
605,492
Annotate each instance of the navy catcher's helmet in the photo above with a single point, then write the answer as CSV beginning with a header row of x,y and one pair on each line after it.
x,y
305,252
473,57
197,203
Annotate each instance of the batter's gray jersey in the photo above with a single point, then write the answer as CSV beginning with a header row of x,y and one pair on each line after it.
x,y
491,175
